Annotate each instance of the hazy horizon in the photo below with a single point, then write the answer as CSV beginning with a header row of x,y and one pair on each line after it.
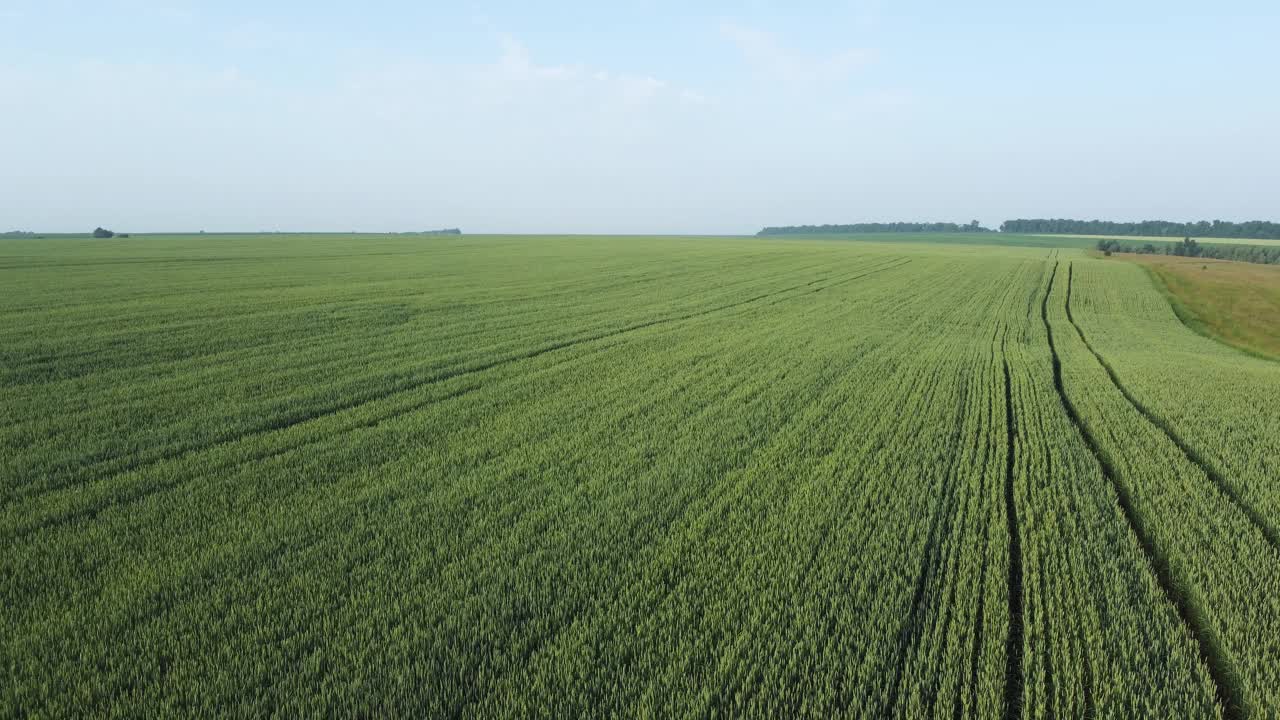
x,y
652,118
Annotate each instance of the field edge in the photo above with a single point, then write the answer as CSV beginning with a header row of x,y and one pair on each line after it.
x,y
1192,320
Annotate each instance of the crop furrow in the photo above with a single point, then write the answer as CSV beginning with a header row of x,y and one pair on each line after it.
x,y
1268,530
256,456
308,415
1013,676
1212,654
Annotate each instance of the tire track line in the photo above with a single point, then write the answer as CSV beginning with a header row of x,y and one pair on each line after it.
x,y
1268,531
1014,680
1221,672
282,424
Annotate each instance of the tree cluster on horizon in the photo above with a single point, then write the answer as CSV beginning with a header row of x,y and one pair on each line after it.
x,y
1259,254
893,227
1252,229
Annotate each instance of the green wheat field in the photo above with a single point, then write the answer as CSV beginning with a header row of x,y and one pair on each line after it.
x,y
510,476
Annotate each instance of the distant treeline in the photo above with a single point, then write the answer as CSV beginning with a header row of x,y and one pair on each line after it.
x,y
1252,230
18,233
894,227
1262,254
445,231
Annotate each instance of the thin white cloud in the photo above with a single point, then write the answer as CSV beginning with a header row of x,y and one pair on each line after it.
x,y
256,36
593,85
771,58
693,97
516,86
395,139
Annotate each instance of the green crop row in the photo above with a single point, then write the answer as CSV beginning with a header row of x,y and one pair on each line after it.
x,y
1215,564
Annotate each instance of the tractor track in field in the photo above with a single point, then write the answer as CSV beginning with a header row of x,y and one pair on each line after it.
x,y
1014,679
1268,530
1221,672
887,266
512,320
280,424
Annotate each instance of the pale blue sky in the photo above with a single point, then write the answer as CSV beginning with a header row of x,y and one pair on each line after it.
x,y
632,116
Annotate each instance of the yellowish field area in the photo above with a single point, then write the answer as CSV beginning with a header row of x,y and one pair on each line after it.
x,y
1236,302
